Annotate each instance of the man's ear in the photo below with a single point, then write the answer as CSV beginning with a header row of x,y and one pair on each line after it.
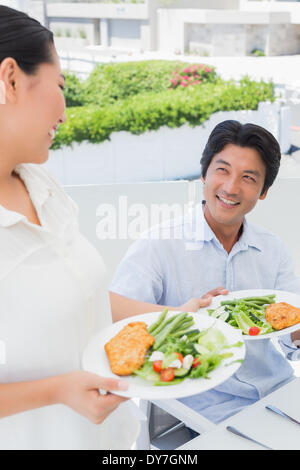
x,y
264,195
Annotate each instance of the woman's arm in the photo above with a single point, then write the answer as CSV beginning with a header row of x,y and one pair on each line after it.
x,y
23,396
78,390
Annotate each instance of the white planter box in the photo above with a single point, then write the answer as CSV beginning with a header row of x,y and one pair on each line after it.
x,y
166,154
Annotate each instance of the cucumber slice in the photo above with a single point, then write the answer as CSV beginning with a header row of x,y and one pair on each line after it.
x,y
181,372
201,349
218,311
224,316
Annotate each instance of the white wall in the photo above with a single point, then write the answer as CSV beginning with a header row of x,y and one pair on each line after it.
x,y
277,213
165,154
293,8
177,22
35,9
90,197
97,10
204,4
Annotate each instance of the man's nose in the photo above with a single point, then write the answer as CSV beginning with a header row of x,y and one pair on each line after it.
x,y
231,185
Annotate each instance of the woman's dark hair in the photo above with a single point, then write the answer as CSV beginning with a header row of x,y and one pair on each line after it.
x,y
244,135
25,40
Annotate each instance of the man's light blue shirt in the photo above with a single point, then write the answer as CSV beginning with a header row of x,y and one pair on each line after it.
x,y
182,259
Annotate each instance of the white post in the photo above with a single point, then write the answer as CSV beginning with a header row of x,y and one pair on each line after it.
x,y
104,32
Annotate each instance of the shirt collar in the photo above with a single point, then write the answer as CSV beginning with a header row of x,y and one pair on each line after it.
x,y
204,233
250,237
39,192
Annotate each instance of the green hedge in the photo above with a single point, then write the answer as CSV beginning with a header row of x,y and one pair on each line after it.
x,y
111,82
144,111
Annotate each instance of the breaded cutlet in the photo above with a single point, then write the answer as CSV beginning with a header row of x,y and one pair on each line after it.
x,y
281,315
127,350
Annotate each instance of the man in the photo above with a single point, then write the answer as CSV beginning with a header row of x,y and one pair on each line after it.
x,y
239,164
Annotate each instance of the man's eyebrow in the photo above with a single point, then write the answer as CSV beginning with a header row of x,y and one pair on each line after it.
x,y
223,162
251,172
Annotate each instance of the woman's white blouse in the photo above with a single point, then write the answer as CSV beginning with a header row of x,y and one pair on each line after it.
x,y
53,298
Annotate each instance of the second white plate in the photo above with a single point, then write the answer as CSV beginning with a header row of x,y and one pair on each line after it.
x,y
281,296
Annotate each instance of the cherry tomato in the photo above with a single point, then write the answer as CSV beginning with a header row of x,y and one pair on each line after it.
x,y
157,366
254,330
180,357
167,375
196,362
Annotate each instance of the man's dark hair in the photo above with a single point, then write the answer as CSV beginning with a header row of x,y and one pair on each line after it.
x,y
244,135
25,40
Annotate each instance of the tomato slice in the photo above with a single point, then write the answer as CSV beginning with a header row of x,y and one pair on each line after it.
x,y
157,366
167,375
180,357
196,362
254,330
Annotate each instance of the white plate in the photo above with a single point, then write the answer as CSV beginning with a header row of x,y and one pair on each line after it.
x,y
281,296
95,360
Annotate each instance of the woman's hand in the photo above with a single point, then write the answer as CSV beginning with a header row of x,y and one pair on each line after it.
x,y
79,391
195,303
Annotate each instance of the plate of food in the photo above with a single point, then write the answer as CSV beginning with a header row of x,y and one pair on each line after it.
x,y
258,313
166,354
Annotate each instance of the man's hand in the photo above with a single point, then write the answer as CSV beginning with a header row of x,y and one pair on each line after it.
x,y
215,292
195,303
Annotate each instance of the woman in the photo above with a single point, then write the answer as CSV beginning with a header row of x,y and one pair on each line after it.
x,y
52,284
52,281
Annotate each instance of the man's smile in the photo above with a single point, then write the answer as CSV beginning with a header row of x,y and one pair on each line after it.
x,y
227,203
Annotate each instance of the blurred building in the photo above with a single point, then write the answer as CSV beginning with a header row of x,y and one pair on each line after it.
x,y
204,27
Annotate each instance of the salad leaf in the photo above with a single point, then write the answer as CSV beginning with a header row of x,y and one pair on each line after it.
x,y
146,372
212,339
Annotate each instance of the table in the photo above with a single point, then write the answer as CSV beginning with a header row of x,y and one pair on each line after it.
x,y
258,423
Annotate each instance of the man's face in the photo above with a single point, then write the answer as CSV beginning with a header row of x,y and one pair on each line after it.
x,y
233,184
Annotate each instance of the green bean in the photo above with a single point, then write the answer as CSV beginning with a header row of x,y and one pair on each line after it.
x,y
252,304
195,338
159,321
161,338
163,325
193,332
259,300
187,322
160,330
181,332
266,298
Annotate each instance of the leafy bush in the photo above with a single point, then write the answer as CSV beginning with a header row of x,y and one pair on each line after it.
x,y
257,53
73,91
195,74
111,82
149,111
